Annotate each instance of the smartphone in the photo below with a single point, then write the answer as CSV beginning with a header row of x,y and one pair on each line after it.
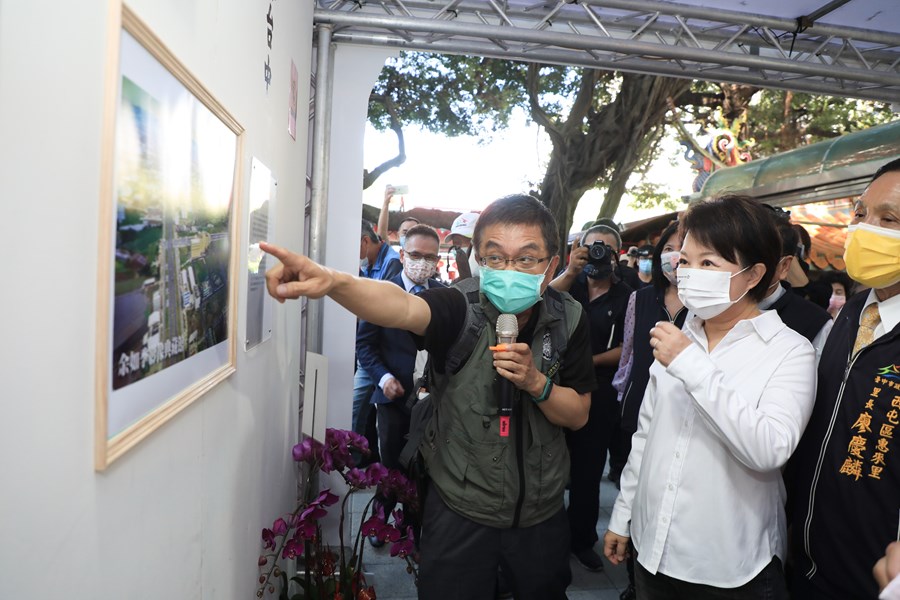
x,y
401,190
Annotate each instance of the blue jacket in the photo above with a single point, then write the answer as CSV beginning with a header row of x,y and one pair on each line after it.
x,y
387,264
383,350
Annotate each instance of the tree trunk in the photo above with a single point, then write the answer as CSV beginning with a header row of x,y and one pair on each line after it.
x,y
370,177
606,142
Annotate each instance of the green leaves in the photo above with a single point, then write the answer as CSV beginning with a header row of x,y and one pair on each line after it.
x,y
454,95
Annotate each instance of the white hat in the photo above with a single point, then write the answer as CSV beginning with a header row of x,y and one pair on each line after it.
x,y
464,224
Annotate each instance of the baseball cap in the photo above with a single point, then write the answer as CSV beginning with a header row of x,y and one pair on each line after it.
x,y
464,224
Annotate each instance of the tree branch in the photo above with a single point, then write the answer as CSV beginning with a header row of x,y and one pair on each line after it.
x,y
691,98
584,100
370,177
539,115
686,136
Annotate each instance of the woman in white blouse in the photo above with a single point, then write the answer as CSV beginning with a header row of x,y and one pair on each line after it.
x,y
728,399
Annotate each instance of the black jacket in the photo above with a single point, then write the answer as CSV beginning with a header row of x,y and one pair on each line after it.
x,y
649,308
800,314
382,350
845,475
606,317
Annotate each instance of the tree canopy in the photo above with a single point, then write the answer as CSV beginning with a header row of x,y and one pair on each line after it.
x,y
604,126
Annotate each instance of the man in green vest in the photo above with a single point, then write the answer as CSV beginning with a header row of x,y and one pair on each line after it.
x,y
495,449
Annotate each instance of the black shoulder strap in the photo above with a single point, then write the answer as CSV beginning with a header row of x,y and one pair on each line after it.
x,y
556,306
475,322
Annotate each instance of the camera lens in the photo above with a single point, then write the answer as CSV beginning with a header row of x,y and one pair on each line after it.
x,y
598,251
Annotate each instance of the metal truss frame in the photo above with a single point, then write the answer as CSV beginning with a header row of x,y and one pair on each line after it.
x,y
640,36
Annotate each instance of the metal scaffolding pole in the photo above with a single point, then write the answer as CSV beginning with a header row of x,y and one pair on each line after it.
x,y
640,36
319,196
630,65
626,47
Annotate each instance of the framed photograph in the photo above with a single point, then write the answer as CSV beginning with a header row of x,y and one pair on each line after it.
x,y
168,246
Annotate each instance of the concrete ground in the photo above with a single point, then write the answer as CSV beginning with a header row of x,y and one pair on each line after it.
x,y
392,582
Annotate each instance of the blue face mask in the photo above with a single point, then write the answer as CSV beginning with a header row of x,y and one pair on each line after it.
x,y
645,265
403,242
511,291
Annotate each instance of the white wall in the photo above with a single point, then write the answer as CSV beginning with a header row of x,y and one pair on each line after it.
x,y
179,516
355,70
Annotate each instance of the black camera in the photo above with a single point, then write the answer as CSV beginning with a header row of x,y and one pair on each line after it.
x,y
599,253
599,263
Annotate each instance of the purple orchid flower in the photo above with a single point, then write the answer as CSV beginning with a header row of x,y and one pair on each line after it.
x,y
326,498
279,527
313,512
357,478
376,472
292,549
404,547
268,537
374,525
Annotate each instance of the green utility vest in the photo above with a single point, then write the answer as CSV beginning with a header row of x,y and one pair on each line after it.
x,y
514,481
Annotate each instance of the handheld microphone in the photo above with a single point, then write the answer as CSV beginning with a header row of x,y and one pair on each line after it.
x,y
507,329
507,332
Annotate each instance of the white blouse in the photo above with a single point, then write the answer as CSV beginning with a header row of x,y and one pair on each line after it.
x,y
702,494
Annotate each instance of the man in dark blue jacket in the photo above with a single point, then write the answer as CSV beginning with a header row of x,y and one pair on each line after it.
x,y
845,474
390,355
377,260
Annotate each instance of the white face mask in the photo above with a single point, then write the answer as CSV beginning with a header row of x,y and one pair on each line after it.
x,y
669,263
364,264
705,292
474,266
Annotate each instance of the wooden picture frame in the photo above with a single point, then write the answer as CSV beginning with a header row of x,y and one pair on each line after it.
x,y
168,242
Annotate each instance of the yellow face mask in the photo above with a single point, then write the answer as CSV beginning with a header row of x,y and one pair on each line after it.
x,y
872,255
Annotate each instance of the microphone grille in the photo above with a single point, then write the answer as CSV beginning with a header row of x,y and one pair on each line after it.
x,y
507,326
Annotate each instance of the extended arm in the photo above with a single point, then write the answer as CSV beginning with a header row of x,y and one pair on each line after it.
x,y
577,260
380,302
384,215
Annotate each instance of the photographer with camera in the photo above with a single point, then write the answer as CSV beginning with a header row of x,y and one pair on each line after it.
x,y
590,278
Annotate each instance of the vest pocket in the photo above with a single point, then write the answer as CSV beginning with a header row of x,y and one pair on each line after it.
x,y
548,466
470,474
485,476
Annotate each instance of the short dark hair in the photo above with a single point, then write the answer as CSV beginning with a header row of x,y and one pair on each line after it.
x,y
423,230
413,219
741,231
890,167
368,230
804,240
605,230
818,292
608,222
659,280
839,277
789,237
518,209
